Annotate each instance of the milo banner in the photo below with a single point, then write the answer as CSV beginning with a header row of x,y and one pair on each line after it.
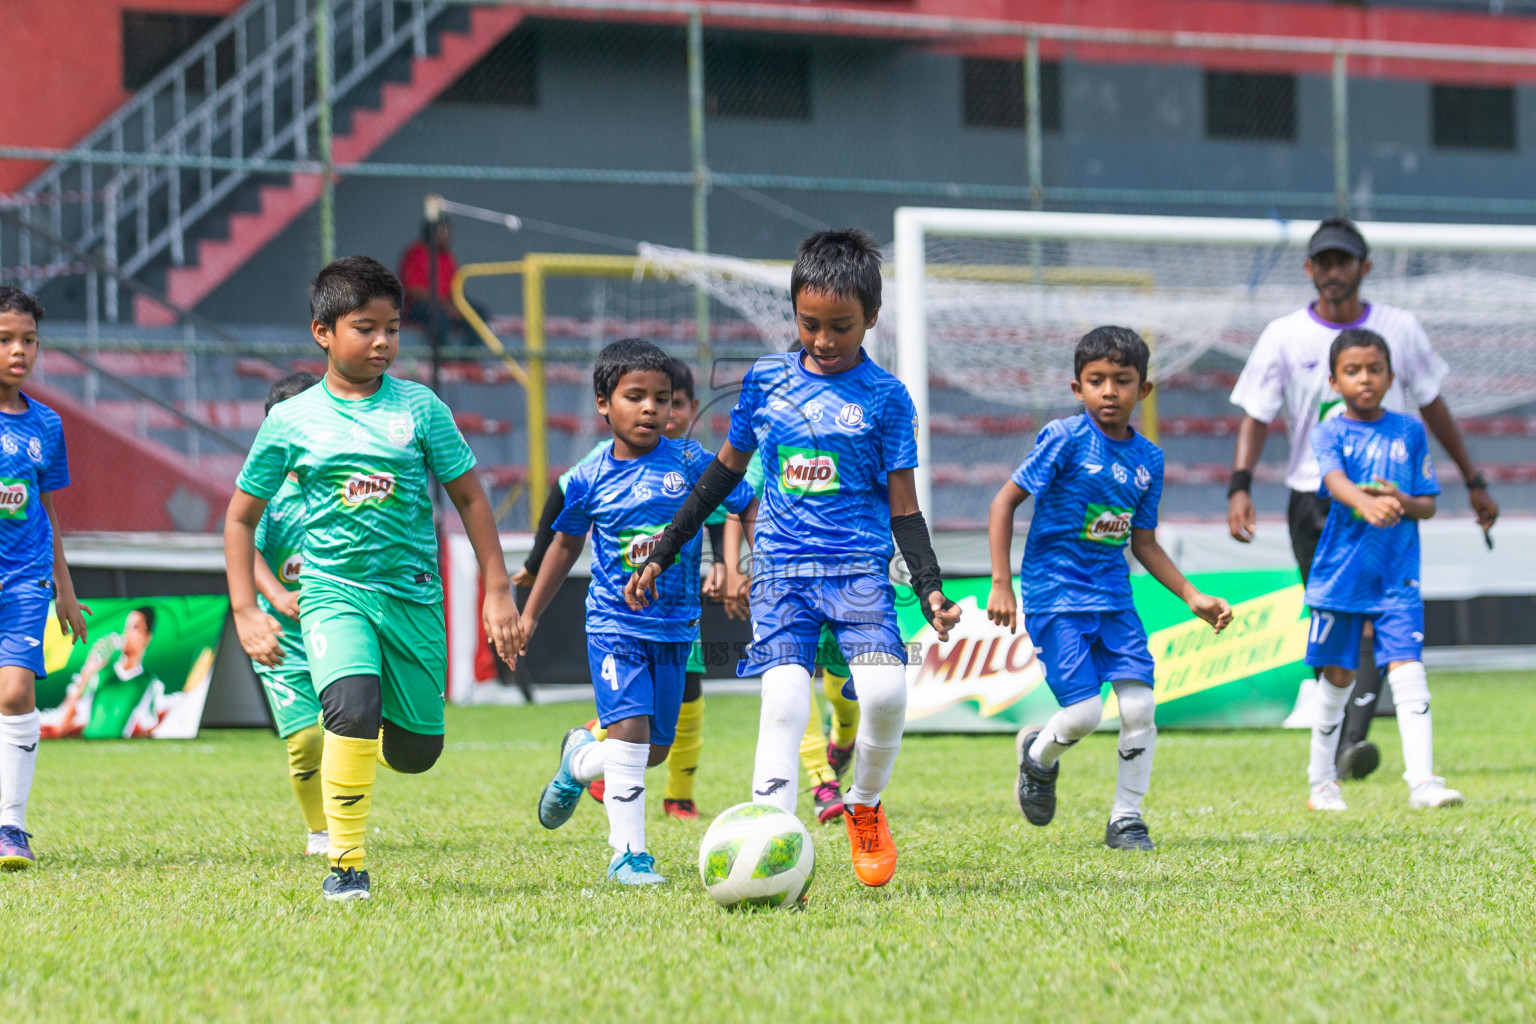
x,y
985,679
145,671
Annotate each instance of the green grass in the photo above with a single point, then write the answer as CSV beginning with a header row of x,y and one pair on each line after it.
x,y
170,889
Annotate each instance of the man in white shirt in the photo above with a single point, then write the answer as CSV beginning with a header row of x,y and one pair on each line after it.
x,y
1288,369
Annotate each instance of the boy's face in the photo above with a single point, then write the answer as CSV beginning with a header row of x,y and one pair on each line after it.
x,y
364,342
831,330
18,347
1361,376
639,407
1337,275
684,408
1110,391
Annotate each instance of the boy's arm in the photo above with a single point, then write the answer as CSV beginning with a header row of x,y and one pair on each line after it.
x,y
66,606
257,630
553,505
563,551
499,611
1382,509
911,533
1150,554
714,486
282,599
1415,506
737,583
1002,609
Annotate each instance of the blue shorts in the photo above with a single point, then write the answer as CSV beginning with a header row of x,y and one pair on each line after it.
x,y
1334,639
1081,651
632,677
23,617
788,613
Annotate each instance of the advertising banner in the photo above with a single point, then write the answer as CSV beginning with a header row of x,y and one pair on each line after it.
x,y
984,679
145,671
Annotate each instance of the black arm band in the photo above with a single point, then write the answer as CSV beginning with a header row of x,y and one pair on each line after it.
x,y
716,542
713,487
546,531
1242,480
911,533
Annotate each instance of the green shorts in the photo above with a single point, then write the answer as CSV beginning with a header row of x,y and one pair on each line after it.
x,y
289,689
353,631
829,656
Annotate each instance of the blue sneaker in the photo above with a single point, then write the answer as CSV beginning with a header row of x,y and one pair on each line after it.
x,y
629,868
15,853
558,801
342,885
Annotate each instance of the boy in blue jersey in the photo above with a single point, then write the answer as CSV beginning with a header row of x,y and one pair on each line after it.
x,y
1096,485
638,658
837,438
32,568
1377,468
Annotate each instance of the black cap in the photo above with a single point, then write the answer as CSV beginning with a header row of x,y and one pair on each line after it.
x,y
1338,233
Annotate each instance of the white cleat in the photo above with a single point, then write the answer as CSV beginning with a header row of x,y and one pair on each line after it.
x,y
319,843
1326,797
1432,792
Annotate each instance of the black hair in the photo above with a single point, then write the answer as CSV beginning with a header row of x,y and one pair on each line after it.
x,y
628,355
1357,337
843,263
289,386
1117,344
17,301
682,378
149,618
348,284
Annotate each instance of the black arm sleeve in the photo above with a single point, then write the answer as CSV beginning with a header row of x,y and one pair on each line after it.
x,y
546,531
718,481
716,541
911,533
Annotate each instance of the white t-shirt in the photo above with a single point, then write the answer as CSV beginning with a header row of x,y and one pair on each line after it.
x,y
1288,369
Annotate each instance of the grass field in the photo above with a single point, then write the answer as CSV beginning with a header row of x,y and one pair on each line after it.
x,y
170,889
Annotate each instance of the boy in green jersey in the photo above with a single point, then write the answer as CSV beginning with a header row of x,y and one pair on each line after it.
x,y
361,445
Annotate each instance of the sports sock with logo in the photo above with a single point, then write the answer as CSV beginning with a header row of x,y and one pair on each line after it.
x,y
883,715
845,712
1065,728
780,726
1410,694
813,751
624,794
683,761
347,768
305,748
1138,737
18,761
1329,709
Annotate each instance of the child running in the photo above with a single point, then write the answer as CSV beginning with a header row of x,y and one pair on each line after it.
x,y
1096,485
361,444
1377,468
837,436
638,657
33,465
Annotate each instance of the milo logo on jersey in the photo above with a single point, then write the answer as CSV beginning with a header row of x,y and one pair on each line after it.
x,y
808,472
638,545
360,488
1106,524
292,566
13,499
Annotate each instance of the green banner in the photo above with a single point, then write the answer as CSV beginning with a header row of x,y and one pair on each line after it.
x,y
985,679
144,672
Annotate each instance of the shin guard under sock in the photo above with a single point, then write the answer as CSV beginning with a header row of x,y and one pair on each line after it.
x,y
624,794
347,769
1329,704
18,762
883,715
780,727
1410,694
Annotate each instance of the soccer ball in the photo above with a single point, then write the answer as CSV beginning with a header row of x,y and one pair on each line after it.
x,y
757,856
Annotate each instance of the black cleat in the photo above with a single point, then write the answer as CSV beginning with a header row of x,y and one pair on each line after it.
x,y
1358,760
1036,788
1128,834
343,885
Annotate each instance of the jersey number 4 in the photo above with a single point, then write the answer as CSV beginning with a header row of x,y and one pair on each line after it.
x,y
610,673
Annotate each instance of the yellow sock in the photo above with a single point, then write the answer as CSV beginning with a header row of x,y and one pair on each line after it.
x,y
845,712
684,759
304,749
813,750
379,757
599,733
346,772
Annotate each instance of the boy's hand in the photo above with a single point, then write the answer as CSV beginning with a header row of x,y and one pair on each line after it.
x,y
1383,510
1214,610
71,621
258,633
640,591
522,578
714,585
1377,488
1002,609
945,613
503,624
288,605
738,596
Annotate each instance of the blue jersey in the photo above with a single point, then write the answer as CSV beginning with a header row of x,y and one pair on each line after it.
x,y
1359,567
827,442
1090,492
626,503
32,463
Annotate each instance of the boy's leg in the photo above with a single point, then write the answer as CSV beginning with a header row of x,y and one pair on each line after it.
x,y
785,625
683,762
813,751
1358,756
1333,645
407,752
290,693
1121,655
1138,740
23,619
305,748
845,709
1065,642
1400,646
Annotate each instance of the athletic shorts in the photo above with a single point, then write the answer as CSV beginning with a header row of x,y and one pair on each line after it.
x,y
788,616
696,658
632,677
23,618
1334,639
289,689
827,656
1081,651
353,631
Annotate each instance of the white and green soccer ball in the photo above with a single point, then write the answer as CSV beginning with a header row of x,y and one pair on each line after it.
x,y
757,856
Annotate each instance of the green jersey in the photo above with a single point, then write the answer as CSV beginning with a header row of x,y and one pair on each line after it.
x,y
717,516
114,693
280,542
362,473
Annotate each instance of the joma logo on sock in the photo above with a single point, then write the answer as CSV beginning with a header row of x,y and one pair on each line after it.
x,y
1132,754
348,801
634,794
774,785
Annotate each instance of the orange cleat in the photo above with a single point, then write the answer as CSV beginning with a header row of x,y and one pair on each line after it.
x,y
685,809
874,851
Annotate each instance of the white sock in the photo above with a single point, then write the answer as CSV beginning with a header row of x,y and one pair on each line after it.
x,y
1410,694
624,794
1328,707
1065,728
18,760
1138,739
780,725
882,693
591,760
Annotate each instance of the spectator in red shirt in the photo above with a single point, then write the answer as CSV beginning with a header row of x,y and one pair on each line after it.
x,y
416,279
